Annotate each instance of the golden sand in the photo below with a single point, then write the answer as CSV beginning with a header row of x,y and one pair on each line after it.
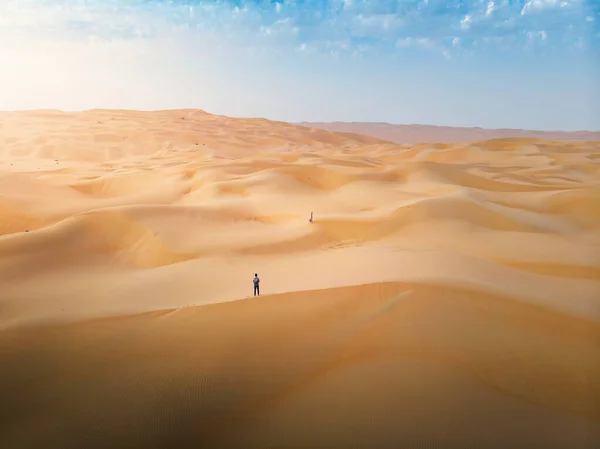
x,y
445,295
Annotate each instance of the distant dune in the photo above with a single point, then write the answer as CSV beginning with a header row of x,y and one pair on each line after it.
x,y
407,134
446,294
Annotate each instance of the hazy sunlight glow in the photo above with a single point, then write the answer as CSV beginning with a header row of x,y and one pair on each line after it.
x,y
527,64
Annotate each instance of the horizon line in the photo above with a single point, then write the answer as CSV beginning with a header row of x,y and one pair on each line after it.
x,y
297,123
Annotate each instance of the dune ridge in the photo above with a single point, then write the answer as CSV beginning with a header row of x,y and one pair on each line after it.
x,y
414,133
445,294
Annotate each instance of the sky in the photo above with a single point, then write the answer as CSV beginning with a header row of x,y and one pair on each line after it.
x,y
532,64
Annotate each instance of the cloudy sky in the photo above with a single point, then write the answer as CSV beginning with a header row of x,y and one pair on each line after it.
x,y
507,63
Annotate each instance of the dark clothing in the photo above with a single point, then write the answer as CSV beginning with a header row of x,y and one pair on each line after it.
x,y
256,281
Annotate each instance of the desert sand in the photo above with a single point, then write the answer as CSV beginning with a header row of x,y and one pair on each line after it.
x,y
446,295
410,134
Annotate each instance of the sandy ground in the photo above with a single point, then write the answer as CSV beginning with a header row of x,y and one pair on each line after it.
x,y
444,296
410,134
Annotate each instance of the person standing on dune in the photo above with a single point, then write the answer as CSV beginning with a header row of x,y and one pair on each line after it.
x,y
256,281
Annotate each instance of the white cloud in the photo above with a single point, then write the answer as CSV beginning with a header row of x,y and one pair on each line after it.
x,y
466,22
537,36
405,42
423,42
283,26
280,28
375,24
543,4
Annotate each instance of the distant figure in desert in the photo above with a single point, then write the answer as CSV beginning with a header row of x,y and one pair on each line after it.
x,y
310,220
256,281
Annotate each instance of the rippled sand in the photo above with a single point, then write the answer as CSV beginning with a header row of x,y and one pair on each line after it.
x,y
445,295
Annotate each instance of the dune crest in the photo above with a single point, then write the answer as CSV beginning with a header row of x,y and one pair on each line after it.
x,y
444,293
411,134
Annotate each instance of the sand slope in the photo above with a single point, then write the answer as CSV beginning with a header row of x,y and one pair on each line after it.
x,y
446,294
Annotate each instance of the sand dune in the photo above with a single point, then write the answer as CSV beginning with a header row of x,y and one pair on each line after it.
x,y
445,295
410,134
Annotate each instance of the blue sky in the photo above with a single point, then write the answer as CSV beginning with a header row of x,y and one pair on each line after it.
x,y
506,63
